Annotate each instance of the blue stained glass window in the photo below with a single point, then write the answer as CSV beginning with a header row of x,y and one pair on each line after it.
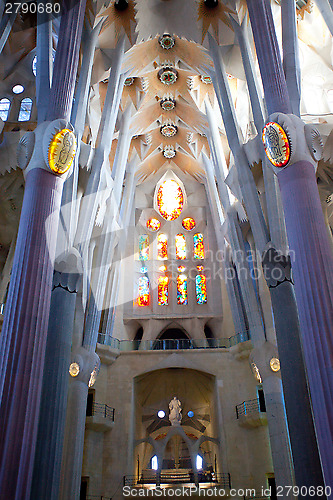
x,y
25,110
201,289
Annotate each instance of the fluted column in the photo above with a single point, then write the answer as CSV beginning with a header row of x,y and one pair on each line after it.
x,y
23,338
307,235
24,333
313,276
75,424
55,383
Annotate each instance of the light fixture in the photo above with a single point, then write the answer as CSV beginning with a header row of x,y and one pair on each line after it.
x,y
274,364
256,372
190,414
161,414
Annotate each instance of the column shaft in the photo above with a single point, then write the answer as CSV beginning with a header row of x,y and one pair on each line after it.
x,y
24,332
313,274
54,394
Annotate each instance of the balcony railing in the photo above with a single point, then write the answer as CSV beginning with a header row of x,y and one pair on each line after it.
x,y
172,344
100,410
252,407
172,477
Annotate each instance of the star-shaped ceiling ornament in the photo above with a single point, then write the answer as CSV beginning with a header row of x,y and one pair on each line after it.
x,y
211,17
119,20
189,53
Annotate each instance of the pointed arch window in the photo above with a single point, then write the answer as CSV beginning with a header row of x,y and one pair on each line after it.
x,y
201,287
25,110
180,247
144,247
162,246
182,290
4,108
144,293
163,291
198,246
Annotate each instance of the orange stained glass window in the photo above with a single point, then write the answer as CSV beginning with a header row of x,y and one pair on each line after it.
x,y
198,246
188,223
182,289
153,224
170,199
162,246
180,246
163,291
144,294
143,247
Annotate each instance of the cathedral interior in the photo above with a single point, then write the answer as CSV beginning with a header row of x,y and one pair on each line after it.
x,y
166,180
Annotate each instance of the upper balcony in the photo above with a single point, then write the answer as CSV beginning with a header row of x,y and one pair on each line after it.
x,y
172,344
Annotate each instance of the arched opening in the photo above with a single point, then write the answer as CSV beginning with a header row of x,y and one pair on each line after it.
x,y
4,108
209,335
25,110
138,337
173,338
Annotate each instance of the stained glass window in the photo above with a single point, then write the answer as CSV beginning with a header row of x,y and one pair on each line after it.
x,y
201,289
180,246
162,246
143,298
181,289
163,291
188,223
198,246
170,199
25,110
4,108
144,247
153,224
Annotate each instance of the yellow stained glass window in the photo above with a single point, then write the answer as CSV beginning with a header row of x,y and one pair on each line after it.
x,y
180,247
170,200
153,224
162,246
163,291
188,223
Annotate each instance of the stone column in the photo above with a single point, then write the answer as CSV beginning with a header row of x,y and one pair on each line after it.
x,y
24,333
307,235
55,383
75,424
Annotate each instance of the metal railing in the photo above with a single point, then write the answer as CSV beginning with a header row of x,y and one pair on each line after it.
x,y
100,410
171,344
223,480
251,407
